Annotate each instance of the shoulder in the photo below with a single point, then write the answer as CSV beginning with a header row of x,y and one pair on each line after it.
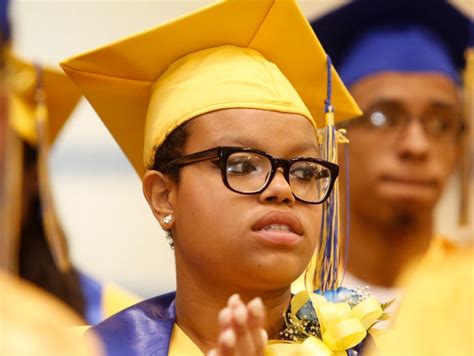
x,y
440,248
143,328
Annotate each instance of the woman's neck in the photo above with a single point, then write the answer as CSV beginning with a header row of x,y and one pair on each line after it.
x,y
199,303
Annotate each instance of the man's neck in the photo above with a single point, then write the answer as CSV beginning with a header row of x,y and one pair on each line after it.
x,y
378,253
198,304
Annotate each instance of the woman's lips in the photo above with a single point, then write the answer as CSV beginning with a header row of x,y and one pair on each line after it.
x,y
279,227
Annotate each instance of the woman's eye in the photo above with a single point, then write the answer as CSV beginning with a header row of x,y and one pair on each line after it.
x,y
306,173
241,166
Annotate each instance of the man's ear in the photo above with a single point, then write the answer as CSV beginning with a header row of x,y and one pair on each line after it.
x,y
159,191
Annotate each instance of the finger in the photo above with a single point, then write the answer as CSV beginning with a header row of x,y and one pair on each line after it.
x,y
213,352
225,319
256,314
234,301
244,341
226,344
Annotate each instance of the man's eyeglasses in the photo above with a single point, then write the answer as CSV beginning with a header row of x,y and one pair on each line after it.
x,y
250,171
440,123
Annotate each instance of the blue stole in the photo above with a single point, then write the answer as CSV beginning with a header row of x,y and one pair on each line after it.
x,y
143,329
92,292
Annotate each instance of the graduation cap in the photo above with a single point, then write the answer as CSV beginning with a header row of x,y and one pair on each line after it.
x,y
4,22
4,33
231,54
60,98
370,36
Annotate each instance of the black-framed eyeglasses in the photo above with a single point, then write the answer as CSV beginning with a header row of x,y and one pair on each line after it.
x,y
250,171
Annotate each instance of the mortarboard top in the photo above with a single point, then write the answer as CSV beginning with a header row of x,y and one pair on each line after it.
x,y
369,36
253,54
4,22
61,97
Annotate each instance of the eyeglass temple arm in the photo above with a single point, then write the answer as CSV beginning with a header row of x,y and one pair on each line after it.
x,y
194,157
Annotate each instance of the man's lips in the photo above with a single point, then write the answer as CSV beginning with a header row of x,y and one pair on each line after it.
x,y
408,189
279,221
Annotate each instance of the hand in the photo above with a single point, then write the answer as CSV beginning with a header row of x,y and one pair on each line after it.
x,y
241,329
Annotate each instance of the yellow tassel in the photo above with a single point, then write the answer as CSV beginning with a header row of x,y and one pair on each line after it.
x,y
53,231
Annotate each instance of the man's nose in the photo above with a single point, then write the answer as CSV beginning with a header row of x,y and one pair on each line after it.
x,y
414,143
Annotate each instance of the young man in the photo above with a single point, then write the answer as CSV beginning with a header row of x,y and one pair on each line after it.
x,y
401,62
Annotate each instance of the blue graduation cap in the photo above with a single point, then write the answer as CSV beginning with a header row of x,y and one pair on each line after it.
x,y
4,23
370,36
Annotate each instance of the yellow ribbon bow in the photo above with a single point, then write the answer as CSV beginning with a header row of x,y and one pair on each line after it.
x,y
341,327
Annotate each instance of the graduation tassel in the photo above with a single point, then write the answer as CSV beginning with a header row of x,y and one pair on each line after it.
x,y
53,231
327,262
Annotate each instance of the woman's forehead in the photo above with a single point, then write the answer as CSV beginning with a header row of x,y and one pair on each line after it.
x,y
253,128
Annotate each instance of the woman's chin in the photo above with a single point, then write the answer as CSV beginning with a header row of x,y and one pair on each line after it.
x,y
278,275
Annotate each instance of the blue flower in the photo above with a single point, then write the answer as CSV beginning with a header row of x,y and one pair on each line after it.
x,y
340,294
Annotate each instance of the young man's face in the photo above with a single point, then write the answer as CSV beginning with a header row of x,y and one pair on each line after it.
x,y
405,148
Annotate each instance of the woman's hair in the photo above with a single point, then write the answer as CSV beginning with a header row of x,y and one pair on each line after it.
x,y
170,149
36,262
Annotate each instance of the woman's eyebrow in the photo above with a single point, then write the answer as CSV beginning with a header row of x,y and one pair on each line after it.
x,y
234,141
249,142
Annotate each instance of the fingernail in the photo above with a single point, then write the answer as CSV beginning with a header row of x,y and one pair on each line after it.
x,y
234,300
256,307
228,338
264,336
240,315
213,352
225,315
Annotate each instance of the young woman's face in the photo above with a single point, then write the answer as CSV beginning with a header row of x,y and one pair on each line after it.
x,y
222,235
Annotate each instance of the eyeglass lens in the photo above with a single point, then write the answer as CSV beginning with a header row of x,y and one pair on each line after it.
x,y
249,172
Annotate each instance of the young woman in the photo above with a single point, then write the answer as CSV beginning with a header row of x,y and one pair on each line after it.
x,y
216,111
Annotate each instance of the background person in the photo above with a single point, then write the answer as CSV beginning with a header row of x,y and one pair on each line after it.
x,y
402,62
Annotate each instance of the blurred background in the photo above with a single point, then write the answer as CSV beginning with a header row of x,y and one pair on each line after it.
x,y
112,234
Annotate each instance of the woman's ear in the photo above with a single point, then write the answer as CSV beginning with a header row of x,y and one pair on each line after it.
x,y
159,190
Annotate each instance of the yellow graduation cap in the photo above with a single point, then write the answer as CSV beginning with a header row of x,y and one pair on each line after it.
x,y
253,54
60,99
39,102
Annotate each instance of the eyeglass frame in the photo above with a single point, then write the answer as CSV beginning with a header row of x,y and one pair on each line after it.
x,y
458,128
223,152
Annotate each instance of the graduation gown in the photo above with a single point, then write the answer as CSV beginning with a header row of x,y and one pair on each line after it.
x,y
143,329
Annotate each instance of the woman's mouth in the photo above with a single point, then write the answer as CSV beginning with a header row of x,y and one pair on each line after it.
x,y
279,228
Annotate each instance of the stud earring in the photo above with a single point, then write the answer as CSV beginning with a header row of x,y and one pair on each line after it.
x,y
167,219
